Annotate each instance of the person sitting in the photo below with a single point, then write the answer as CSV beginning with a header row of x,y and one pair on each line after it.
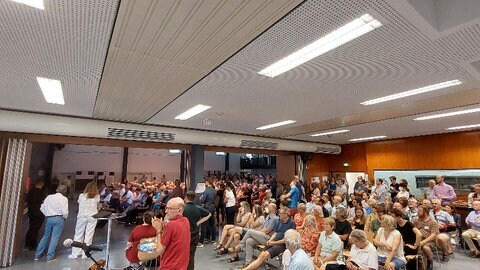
x,y
389,245
429,229
144,230
145,203
373,221
300,215
445,224
330,247
310,235
299,259
342,226
243,220
473,221
358,221
363,254
276,244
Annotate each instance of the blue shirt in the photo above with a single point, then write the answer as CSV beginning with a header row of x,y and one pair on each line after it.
x,y
474,217
270,223
282,227
294,197
300,261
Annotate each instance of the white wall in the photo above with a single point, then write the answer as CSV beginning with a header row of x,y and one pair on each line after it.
x,y
234,162
155,161
74,158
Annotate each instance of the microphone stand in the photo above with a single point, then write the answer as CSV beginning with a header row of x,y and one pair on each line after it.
x,y
89,255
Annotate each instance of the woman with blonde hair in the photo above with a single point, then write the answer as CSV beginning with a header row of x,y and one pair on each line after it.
x,y
243,219
85,228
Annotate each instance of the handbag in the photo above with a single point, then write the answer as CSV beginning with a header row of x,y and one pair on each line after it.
x,y
147,249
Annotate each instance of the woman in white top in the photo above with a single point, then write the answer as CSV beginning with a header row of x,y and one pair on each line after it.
x,y
363,254
389,244
229,198
88,203
404,191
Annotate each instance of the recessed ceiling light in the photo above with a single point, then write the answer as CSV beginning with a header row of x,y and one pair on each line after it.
x,y
192,112
33,3
283,123
413,92
220,153
447,114
52,90
174,151
330,132
464,127
367,138
342,35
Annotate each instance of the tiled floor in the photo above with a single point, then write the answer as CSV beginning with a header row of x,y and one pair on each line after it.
x,y
205,257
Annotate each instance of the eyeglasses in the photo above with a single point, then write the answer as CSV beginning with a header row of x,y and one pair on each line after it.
x,y
171,208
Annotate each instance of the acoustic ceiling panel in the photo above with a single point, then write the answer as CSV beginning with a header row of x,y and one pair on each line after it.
x,y
167,46
66,41
396,57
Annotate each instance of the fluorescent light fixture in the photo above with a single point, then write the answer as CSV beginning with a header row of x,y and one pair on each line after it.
x,y
192,112
367,138
342,35
330,132
174,151
52,90
33,3
464,127
220,153
413,92
283,123
447,114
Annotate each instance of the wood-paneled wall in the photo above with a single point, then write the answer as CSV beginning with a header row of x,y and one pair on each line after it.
x,y
444,151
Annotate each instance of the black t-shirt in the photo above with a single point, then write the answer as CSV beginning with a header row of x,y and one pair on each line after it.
x,y
343,227
396,187
194,213
408,236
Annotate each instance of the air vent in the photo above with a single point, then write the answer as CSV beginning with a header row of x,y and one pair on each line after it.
x,y
258,144
329,150
143,135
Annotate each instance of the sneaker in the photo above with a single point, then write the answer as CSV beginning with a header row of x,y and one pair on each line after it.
x,y
52,259
38,258
84,256
200,245
71,256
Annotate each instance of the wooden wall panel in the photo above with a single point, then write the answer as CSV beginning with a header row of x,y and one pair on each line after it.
x,y
318,166
285,168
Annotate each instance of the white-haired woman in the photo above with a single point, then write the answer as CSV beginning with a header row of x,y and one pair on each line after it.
x,y
363,254
389,244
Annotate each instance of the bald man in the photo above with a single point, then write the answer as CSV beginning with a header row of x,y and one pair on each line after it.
x,y
173,236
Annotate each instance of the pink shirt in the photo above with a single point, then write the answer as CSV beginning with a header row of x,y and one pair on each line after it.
x,y
445,193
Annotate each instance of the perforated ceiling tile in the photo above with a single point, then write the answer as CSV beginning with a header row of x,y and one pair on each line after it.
x,y
396,57
66,41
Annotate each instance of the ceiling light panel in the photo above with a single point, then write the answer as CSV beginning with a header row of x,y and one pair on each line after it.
x,y
342,35
193,111
417,91
441,115
464,127
52,90
279,124
367,138
330,132
33,3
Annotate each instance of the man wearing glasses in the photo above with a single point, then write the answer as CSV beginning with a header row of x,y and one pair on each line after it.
x,y
173,236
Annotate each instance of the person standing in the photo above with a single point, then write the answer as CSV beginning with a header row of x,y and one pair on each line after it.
x,y
444,191
68,183
55,209
208,202
394,186
196,216
88,203
35,217
380,192
173,235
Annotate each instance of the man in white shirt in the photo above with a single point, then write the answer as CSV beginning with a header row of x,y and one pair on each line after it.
x,y
55,209
299,260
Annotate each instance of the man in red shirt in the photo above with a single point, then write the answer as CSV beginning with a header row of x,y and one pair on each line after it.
x,y
173,237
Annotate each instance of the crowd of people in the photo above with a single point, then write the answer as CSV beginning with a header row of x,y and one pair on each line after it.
x,y
309,226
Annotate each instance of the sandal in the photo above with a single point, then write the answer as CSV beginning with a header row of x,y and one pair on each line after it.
x,y
222,251
234,259
445,258
218,247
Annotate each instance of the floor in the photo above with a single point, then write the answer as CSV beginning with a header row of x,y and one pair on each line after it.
x,y
205,257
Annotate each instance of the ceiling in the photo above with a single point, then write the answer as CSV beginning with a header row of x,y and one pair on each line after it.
x,y
145,62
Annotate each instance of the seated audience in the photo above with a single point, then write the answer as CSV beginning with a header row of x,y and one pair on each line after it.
x,y
299,259
310,235
358,221
373,221
300,215
145,230
445,225
389,245
429,229
473,221
342,226
243,219
330,247
363,254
